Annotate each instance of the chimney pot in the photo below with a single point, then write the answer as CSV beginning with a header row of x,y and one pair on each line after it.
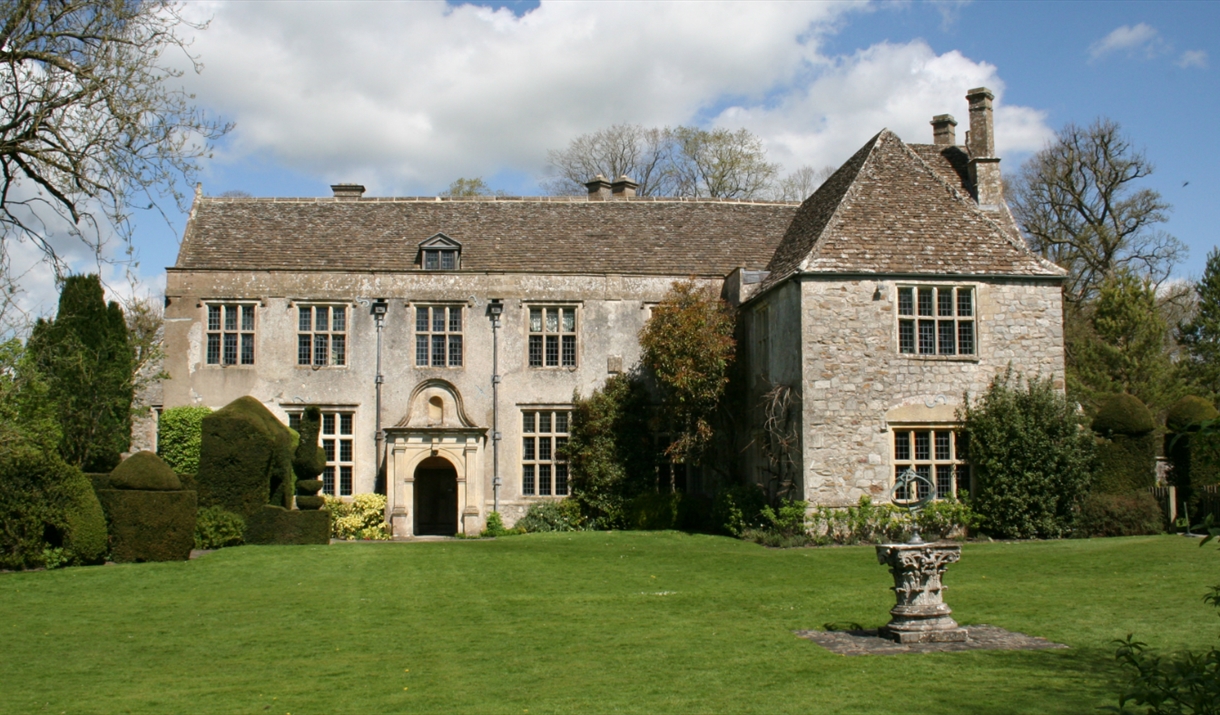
x,y
599,188
980,144
347,192
944,132
623,188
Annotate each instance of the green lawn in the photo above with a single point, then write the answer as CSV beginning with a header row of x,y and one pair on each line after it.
x,y
588,622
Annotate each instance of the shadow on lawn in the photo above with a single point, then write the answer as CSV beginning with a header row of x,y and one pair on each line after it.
x,y
1073,681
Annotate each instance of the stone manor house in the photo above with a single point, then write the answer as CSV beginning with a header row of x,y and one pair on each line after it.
x,y
444,338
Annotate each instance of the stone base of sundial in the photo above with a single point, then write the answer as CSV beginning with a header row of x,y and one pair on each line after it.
x,y
921,614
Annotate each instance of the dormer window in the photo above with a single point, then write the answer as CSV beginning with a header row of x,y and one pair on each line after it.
x,y
440,253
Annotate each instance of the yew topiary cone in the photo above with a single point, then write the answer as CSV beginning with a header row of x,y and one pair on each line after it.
x,y
309,460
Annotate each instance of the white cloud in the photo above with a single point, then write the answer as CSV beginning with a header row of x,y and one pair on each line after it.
x,y
405,97
1132,39
1193,58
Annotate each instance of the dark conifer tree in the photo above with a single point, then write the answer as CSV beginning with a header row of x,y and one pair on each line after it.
x,y
1201,336
85,357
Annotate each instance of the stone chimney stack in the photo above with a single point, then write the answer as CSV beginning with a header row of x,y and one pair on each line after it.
x,y
599,188
623,188
980,144
347,192
944,132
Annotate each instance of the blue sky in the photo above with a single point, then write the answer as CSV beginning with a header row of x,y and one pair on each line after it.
x,y
406,97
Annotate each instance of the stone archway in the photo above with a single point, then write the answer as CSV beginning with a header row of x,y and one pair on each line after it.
x,y
436,498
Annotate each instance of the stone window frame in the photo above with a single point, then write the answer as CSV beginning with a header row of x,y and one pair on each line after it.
x,y
567,342
941,458
218,330
909,323
452,335
337,436
335,357
538,460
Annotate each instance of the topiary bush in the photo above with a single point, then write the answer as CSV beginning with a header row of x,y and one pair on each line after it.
x,y
1126,446
216,528
273,524
179,436
245,460
309,460
1132,514
49,514
563,515
149,516
1032,461
362,518
1194,455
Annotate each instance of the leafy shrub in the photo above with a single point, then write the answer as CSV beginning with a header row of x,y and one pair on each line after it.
x,y
179,436
946,517
1123,414
149,525
865,522
1183,684
362,518
738,508
561,515
276,525
1031,459
49,514
1132,514
790,519
495,527
609,450
244,459
216,528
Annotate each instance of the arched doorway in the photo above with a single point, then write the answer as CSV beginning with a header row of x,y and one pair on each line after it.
x,y
436,498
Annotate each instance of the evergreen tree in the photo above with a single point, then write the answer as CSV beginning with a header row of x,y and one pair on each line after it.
x,y
1123,349
1200,337
86,361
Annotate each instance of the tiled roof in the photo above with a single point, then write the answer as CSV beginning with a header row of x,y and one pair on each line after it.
x,y
889,211
531,235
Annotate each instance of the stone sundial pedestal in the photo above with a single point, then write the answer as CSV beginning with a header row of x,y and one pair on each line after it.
x,y
921,615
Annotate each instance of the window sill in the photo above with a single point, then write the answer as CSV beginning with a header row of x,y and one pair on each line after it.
x,y
940,358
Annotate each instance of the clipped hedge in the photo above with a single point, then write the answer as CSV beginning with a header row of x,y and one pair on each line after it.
x,y
245,459
49,514
1194,458
1126,446
147,472
1123,414
149,525
276,525
216,528
180,435
1134,514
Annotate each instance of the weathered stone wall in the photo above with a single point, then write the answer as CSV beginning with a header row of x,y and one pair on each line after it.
x,y
772,350
856,380
611,311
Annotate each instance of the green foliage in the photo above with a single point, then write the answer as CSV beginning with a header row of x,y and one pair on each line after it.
x,y
1123,414
738,508
273,524
1125,464
1200,337
245,459
86,360
1131,514
309,460
1032,460
794,524
865,522
216,528
688,347
1188,413
27,415
145,471
1125,350
362,518
495,527
47,509
609,449
790,519
563,515
149,525
1183,684
468,188
179,436
945,517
